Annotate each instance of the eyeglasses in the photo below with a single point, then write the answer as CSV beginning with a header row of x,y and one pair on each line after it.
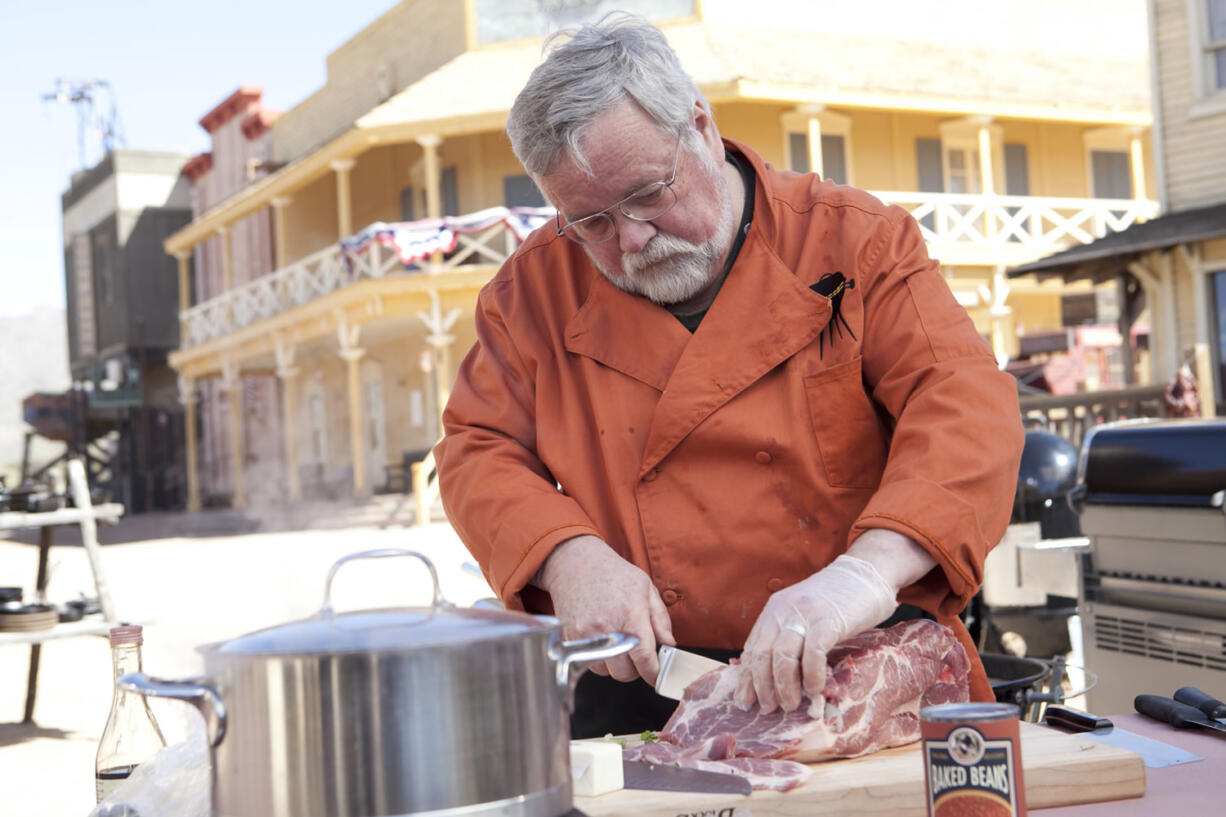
x,y
647,204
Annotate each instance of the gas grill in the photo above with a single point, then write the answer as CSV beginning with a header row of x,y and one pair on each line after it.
x,y
1152,591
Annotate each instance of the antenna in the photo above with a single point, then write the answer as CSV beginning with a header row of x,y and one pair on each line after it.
x,y
97,115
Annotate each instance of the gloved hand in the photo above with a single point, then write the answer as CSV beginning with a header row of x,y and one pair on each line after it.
x,y
785,655
596,591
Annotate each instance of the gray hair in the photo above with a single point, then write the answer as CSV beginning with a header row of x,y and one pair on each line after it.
x,y
618,58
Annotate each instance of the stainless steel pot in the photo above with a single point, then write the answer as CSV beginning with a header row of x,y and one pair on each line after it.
x,y
406,711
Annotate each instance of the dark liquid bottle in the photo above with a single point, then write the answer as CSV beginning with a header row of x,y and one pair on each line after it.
x,y
131,735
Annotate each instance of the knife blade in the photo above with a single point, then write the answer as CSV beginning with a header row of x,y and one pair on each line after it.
x,y
1154,753
679,669
1206,703
639,774
1177,714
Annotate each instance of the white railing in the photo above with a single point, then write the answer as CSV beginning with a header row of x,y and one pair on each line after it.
x,y
1022,225
970,229
373,253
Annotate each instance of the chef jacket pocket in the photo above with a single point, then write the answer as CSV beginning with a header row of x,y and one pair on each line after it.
x,y
850,436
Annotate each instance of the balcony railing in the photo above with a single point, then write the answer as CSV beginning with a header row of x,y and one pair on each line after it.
x,y
484,238
1072,415
960,229
1015,227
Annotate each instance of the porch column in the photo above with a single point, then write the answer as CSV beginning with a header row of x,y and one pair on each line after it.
x,y
440,348
353,362
1136,163
227,259
185,295
232,382
429,146
344,217
280,254
986,181
187,396
287,372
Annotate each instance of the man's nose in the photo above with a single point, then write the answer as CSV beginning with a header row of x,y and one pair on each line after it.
x,y
633,235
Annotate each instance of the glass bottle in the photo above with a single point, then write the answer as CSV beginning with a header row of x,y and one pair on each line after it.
x,y
131,735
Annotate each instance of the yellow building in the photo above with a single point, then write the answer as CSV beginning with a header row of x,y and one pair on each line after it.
x,y
1009,133
1175,265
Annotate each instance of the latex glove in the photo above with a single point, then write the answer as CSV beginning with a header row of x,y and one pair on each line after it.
x,y
785,655
595,591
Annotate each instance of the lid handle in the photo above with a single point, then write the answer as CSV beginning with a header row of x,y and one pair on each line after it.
x,y
438,602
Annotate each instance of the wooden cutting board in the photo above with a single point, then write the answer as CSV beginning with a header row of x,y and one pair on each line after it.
x,y
1059,769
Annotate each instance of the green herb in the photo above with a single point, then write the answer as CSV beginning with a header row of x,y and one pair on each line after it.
x,y
649,736
619,741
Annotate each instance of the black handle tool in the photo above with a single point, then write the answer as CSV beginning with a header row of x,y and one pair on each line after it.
x,y
1212,707
1175,713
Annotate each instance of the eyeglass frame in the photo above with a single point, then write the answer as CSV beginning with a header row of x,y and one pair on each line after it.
x,y
663,184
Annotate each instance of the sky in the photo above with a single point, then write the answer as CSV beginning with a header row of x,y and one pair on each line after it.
x,y
167,64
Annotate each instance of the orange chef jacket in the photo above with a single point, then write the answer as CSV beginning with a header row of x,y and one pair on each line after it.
x,y
740,459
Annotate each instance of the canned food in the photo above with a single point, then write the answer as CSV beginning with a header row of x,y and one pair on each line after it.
x,y
972,760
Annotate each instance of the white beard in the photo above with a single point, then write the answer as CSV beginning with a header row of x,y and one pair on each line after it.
x,y
669,270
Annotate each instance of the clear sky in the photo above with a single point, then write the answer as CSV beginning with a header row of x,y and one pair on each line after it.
x,y
168,63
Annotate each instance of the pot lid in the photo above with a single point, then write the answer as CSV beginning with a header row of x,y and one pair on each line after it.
x,y
388,629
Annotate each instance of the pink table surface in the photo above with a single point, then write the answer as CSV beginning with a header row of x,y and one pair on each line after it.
x,y
1186,790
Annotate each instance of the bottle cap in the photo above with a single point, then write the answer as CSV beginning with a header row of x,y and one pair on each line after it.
x,y
127,635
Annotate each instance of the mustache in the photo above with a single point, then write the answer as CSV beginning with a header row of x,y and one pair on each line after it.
x,y
661,248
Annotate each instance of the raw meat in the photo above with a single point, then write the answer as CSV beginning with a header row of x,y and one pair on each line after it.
x,y
876,683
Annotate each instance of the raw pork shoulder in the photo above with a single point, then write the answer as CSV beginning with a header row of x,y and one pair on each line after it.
x,y
876,683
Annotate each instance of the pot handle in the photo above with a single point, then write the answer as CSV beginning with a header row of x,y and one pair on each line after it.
x,y
584,651
191,690
381,553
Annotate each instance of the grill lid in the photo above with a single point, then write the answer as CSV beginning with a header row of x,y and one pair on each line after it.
x,y
1154,462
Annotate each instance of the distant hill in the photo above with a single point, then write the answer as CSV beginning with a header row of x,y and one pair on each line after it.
x,y
33,357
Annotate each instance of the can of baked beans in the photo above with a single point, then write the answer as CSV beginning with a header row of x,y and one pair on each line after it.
x,y
972,760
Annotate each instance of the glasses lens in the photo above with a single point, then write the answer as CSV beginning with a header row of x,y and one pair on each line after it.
x,y
591,230
651,203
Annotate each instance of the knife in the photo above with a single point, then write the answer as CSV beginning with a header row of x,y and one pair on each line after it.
x,y
639,774
1175,713
1212,707
1154,753
679,669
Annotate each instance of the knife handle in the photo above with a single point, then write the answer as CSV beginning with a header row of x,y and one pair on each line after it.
x,y
1168,711
1075,719
1205,703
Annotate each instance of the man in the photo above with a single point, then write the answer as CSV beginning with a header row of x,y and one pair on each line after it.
x,y
716,404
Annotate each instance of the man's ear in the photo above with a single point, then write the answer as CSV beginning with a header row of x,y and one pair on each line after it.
x,y
704,123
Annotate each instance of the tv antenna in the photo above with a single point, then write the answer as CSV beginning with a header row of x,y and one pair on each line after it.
x,y
97,115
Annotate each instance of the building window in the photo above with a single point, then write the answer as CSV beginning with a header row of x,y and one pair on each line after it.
x,y
521,191
962,170
1110,175
104,267
833,134
1219,299
1215,44
319,429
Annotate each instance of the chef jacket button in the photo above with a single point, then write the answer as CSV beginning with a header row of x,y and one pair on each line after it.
x,y
763,457
670,596
774,584
650,475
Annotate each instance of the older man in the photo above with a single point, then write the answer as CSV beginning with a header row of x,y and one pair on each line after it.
x,y
715,405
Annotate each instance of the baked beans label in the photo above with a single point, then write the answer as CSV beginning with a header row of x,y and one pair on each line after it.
x,y
970,775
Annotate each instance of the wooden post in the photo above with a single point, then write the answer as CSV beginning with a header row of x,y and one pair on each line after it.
x,y
185,294
1136,163
279,235
344,204
234,386
986,180
187,396
353,361
289,415
434,208
814,142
